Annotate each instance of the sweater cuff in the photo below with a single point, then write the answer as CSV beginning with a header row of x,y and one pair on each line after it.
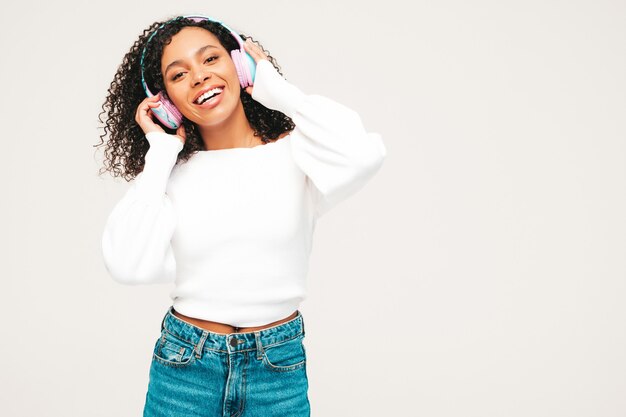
x,y
273,91
159,161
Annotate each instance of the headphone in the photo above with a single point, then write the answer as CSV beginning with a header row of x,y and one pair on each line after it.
x,y
167,113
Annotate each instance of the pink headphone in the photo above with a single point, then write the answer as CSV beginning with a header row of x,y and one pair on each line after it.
x,y
167,113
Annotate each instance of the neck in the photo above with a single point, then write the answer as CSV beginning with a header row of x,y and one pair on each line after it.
x,y
235,132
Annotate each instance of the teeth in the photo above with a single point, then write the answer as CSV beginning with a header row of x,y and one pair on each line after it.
x,y
208,94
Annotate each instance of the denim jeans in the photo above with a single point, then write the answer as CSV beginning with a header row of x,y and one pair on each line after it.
x,y
195,372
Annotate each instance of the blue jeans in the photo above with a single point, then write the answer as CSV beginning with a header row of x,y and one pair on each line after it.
x,y
195,372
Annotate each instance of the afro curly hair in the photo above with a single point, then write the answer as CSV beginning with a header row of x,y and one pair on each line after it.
x,y
126,146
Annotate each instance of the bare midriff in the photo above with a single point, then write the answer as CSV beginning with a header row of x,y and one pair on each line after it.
x,y
216,327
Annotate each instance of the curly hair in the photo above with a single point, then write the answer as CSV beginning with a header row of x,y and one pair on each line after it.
x,y
126,147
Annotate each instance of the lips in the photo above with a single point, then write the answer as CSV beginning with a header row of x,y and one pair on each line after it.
x,y
204,90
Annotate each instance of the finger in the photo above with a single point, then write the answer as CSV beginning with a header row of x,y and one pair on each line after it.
x,y
250,51
145,107
252,48
144,111
255,47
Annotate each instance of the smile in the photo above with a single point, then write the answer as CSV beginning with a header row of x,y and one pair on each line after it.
x,y
208,95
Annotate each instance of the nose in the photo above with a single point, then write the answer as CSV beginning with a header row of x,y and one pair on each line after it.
x,y
201,76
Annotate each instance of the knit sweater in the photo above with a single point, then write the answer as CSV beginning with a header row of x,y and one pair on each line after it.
x,y
233,228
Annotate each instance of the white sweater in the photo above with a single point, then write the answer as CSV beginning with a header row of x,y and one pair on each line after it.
x,y
232,228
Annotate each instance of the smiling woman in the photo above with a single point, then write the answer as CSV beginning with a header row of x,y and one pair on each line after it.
x,y
124,139
197,65
223,215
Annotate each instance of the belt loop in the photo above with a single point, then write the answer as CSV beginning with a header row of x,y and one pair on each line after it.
x,y
164,317
259,345
200,344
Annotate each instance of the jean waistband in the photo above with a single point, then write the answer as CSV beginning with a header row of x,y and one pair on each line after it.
x,y
232,342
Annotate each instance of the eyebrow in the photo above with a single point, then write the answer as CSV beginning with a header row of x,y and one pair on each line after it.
x,y
178,61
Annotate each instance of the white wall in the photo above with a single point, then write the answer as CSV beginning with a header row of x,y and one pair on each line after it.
x,y
481,273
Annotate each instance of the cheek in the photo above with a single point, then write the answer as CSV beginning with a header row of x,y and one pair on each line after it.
x,y
233,78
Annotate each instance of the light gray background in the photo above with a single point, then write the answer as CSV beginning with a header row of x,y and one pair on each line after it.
x,y
481,273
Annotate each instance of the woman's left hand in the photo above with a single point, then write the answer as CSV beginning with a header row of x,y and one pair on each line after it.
x,y
256,53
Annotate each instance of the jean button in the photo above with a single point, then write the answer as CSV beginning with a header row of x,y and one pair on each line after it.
x,y
234,342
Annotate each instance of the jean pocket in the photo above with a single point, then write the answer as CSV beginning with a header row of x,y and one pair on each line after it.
x,y
287,355
173,351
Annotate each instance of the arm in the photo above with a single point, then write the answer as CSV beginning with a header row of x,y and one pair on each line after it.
x,y
136,240
329,143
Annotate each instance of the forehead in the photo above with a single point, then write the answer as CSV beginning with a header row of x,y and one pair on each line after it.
x,y
186,42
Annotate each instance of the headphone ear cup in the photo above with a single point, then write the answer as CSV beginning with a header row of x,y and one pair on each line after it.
x,y
167,113
246,67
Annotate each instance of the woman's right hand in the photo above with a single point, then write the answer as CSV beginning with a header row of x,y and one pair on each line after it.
x,y
144,117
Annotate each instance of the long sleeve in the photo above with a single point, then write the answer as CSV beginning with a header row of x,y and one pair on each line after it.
x,y
329,142
136,240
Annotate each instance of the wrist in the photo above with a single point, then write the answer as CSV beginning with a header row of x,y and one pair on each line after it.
x,y
274,92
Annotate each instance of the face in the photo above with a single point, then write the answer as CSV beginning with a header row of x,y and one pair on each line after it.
x,y
196,62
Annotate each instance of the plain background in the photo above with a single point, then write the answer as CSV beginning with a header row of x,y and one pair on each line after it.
x,y
481,273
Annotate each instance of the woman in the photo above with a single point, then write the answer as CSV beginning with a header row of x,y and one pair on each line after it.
x,y
224,204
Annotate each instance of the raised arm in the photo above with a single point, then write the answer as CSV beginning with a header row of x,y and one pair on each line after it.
x,y
329,142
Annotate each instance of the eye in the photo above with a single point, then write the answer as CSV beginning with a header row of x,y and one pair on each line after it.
x,y
175,77
211,58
